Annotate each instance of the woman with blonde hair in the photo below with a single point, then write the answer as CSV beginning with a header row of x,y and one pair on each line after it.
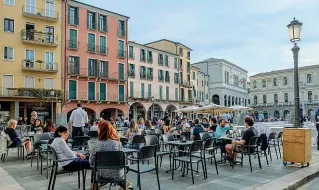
x,y
141,124
16,141
130,133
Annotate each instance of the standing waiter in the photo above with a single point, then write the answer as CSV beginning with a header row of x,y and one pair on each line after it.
x,y
317,126
78,119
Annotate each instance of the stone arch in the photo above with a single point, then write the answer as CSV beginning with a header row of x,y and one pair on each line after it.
x,y
155,110
137,110
111,113
276,114
216,99
90,112
170,111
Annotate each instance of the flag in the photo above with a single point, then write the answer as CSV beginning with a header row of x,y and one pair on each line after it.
x,y
242,81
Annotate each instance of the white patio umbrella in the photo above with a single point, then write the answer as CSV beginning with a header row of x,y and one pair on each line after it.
x,y
213,108
240,108
189,109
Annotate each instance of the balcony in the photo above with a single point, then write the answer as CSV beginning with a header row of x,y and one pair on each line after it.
x,y
97,97
131,74
103,50
139,95
40,38
73,45
278,104
149,59
131,55
30,93
99,74
39,66
121,54
143,58
167,79
185,83
150,76
92,48
39,13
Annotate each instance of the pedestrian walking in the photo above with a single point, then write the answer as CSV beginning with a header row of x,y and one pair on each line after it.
x,y
78,119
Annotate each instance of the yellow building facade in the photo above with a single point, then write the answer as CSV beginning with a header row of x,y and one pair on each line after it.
x,y
184,53
31,58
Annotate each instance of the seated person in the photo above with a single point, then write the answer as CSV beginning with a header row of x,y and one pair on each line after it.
x,y
75,160
130,133
106,143
213,124
205,123
237,145
168,128
37,126
196,130
94,127
16,141
49,127
220,131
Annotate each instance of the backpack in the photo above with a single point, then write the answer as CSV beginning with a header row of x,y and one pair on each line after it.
x,y
264,142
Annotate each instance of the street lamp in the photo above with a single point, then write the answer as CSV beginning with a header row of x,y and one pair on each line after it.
x,y
294,29
302,88
52,93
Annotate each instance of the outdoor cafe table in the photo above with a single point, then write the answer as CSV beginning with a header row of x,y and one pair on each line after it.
x,y
180,145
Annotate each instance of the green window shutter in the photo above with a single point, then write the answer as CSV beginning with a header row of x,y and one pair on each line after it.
x,y
121,71
107,69
89,68
121,93
176,94
142,90
105,24
77,65
167,93
68,13
98,21
149,90
94,21
91,90
77,16
87,19
131,89
102,91
160,91
72,89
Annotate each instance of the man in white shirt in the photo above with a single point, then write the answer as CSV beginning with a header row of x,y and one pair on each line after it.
x,y
78,119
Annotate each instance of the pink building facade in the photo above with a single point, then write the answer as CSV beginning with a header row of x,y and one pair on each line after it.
x,y
95,70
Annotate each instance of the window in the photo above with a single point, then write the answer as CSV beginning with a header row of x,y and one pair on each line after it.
x,y
160,59
193,75
176,78
131,70
29,58
149,56
274,82
72,89
93,68
8,53
121,52
102,23
103,45
166,61
160,92
167,77
131,89
255,99
91,91
167,93
121,93
8,25
160,76
121,71
30,6
142,55
175,63
286,97
181,51
188,55
264,83
149,88
225,76
91,22
9,2
73,15
48,83
142,90
102,91
276,98
310,96
188,67
104,69
142,72
74,65
149,72
176,94
121,28
49,61
29,82
73,39
285,81
309,79
91,42
131,52
50,8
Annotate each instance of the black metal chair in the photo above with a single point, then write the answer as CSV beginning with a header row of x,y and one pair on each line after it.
x,y
20,150
251,149
204,135
272,143
279,142
187,135
146,153
162,151
114,160
93,134
37,146
80,142
151,140
189,159
137,139
55,170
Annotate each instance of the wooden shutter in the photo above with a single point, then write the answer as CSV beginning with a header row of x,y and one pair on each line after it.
x,y
87,18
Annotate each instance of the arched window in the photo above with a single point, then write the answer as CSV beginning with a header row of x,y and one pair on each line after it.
x,y
255,84
264,99
310,96
274,82
285,81
309,79
255,99
276,98
264,83
286,97
239,101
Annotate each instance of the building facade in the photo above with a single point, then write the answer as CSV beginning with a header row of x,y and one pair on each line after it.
x,y
227,82
184,53
153,82
200,87
272,93
31,60
95,61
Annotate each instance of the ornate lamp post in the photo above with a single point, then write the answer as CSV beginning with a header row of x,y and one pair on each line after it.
x,y
294,29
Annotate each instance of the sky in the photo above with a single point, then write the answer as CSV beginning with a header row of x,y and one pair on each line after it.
x,y
252,34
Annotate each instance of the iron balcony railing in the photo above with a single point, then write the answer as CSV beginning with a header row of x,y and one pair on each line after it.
x,y
38,37
40,13
95,96
74,70
92,48
121,54
39,66
73,44
121,32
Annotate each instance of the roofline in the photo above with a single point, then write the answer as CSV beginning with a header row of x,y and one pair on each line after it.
x,y
171,42
131,42
224,61
99,8
284,70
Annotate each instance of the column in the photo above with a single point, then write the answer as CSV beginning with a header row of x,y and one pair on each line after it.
x,y
16,110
